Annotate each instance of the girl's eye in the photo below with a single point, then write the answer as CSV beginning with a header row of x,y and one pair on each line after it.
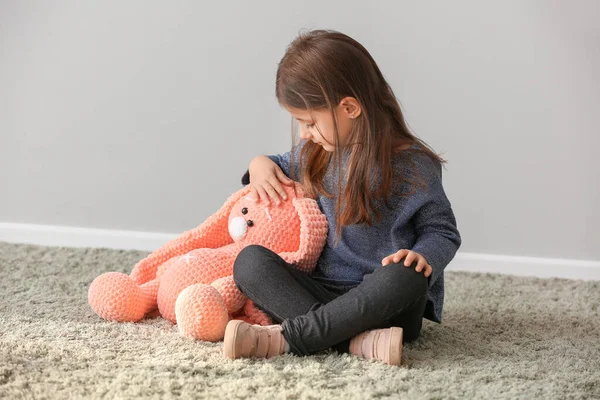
x,y
310,125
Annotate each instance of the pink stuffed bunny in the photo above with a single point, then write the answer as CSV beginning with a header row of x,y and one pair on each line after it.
x,y
190,279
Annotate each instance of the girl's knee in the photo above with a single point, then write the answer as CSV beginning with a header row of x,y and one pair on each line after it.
x,y
403,276
249,262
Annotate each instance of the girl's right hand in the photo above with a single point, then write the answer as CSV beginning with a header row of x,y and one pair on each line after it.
x,y
265,180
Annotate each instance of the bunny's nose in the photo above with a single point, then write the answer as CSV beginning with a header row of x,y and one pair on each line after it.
x,y
237,228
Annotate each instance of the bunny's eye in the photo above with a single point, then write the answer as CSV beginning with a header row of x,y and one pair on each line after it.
x,y
250,223
244,211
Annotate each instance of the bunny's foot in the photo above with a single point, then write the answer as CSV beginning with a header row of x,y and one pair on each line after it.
x,y
201,313
114,296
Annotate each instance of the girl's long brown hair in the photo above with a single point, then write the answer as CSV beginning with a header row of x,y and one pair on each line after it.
x,y
319,69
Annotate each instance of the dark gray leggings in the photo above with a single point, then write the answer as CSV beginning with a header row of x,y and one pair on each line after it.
x,y
316,316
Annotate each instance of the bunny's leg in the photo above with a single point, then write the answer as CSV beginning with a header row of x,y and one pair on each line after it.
x,y
233,298
114,296
201,313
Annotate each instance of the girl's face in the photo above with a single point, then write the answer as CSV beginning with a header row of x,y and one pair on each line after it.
x,y
320,128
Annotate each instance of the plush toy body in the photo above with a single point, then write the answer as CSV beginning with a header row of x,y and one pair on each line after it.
x,y
190,279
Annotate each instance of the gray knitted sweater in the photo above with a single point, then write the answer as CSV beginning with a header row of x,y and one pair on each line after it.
x,y
423,222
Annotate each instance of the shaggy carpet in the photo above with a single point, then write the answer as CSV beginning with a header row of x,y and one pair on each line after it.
x,y
502,337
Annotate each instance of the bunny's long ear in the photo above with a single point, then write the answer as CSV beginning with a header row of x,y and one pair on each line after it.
x,y
212,233
313,234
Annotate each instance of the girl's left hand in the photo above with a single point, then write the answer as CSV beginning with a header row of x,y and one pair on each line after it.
x,y
411,256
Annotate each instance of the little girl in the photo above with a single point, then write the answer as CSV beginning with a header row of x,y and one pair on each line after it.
x,y
391,227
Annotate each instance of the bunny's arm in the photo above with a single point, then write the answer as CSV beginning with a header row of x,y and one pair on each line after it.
x,y
212,233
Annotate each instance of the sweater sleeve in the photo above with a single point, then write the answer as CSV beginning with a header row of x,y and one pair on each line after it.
x,y
438,238
282,160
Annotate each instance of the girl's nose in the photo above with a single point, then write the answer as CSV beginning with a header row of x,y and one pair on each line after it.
x,y
304,135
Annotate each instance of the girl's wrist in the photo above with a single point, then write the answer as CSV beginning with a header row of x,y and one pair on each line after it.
x,y
256,160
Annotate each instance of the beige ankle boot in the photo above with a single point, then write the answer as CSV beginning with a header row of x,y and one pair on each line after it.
x,y
380,344
245,340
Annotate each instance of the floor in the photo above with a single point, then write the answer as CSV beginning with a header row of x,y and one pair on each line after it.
x,y
502,337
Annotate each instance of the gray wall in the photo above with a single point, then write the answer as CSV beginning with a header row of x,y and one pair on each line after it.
x,y
143,115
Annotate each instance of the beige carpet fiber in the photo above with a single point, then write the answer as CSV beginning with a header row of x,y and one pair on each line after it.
x,y
502,337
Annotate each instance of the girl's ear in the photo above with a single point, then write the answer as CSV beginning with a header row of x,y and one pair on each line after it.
x,y
350,107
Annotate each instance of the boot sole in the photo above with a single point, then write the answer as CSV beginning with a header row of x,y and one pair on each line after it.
x,y
230,339
395,346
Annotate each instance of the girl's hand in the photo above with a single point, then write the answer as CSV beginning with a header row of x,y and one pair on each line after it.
x,y
411,256
265,180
